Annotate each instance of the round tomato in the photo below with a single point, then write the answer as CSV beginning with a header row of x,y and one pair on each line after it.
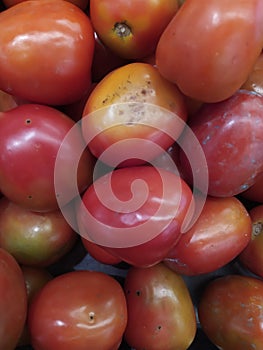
x,y
209,50
231,312
160,309
78,310
30,137
133,113
13,301
131,29
230,133
136,213
47,58
220,233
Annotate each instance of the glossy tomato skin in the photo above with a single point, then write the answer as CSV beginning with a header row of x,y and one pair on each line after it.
x,y
48,59
252,256
34,239
135,110
139,229
131,29
78,310
13,301
231,135
230,312
160,309
27,172
219,235
196,40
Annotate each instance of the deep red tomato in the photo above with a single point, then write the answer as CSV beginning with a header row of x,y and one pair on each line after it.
x,y
47,59
231,135
252,256
136,213
231,312
131,29
13,301
78,310
255,192
209,50
30,137
35,239
160,310
220,233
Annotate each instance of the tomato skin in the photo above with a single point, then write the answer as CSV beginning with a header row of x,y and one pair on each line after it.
x,y
78,310
80,3
135,230
27,171
48,59
197,38
160,309
13,301
255,192
220,233
231,135
230,312
131,29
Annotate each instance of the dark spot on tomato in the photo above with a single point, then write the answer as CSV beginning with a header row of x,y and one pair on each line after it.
x,y
28,121
138,293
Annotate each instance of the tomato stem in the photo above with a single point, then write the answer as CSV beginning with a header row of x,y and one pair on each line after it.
x,y
121,29
257,228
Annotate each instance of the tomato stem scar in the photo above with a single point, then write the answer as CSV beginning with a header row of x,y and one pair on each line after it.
x,y
122,29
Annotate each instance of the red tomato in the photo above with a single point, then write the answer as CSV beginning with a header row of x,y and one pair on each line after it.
x,y
209,50
149,115
231,135
35,239
252,256
135,213
30,137
220,233
160,310
230,312
255,192
13,301
131,29
78,310
83,4
47,59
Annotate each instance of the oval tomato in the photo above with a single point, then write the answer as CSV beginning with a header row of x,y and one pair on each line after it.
x,y
13,301
131,30
220,233
135,213
209,50
230,312
30,137
47,59
160,309
78,310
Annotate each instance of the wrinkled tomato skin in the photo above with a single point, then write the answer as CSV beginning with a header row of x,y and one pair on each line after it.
x,y
78,310
160,309
144,237
219,235
231,135
48,59
13,301
252,256
192,49
30,137
230,312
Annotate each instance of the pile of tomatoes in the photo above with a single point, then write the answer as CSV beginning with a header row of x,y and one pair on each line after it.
x,y
131,168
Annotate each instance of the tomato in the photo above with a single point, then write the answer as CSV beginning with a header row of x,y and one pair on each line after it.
x,y
131,29
149,115
254,79
220,233
160,309
230,312
78,310
255,192
83,4
35,239
251,257
48,59
209,50
135,213
230,133
13,301
30,137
